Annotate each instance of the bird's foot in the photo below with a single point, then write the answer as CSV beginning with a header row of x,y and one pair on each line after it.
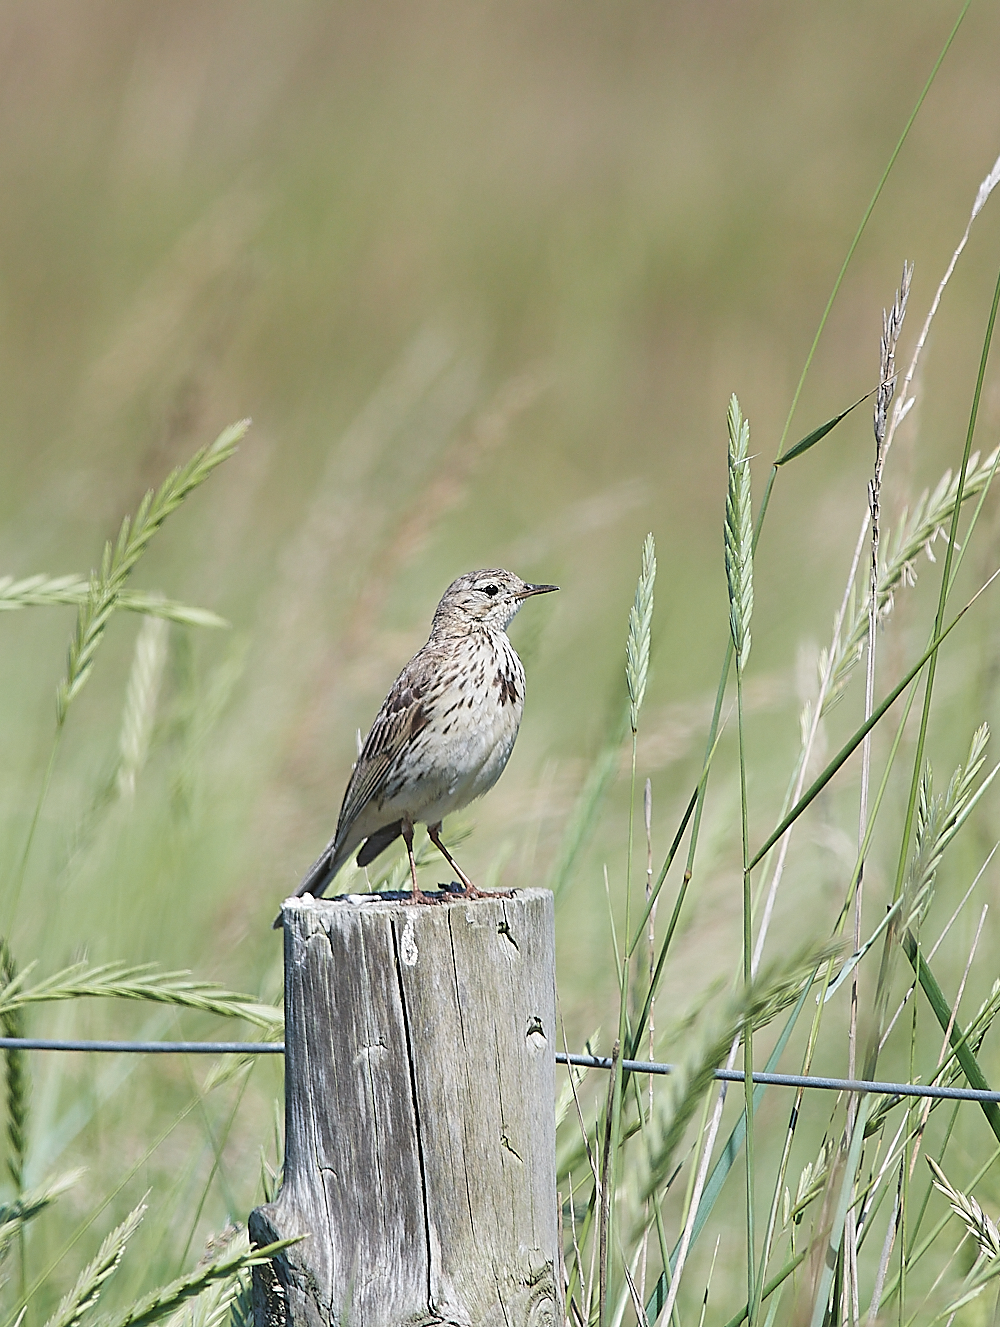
x,y
469,891
418,896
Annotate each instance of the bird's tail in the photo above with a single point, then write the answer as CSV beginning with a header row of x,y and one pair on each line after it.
x,y
319,875
329,862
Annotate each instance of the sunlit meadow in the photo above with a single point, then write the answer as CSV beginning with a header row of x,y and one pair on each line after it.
x,y
485,280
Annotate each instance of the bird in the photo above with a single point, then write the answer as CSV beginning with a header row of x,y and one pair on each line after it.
x,y
444,732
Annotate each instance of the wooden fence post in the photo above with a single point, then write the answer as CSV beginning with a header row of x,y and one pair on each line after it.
x,y
419,1121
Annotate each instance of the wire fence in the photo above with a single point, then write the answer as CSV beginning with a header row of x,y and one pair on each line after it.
x,y
146,1047
932,1090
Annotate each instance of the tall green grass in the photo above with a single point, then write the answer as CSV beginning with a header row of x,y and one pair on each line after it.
x,y
222,1273
645,1161
193,767
643,1228
640,1179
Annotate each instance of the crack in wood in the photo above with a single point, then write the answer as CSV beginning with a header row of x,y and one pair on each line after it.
x,y
505,1142
411,1091
416,1105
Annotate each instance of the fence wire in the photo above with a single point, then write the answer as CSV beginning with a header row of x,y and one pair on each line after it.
x,y
813,1081
146,1047
796,1080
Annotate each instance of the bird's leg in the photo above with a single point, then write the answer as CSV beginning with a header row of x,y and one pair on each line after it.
x,y
434,834
406,829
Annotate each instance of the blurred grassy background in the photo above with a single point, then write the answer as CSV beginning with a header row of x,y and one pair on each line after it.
x,y
484,277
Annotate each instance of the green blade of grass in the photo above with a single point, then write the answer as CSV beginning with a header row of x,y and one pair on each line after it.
x,y
739,576
121,557
765,501
858,737
726,1161
868,212
912,950
918,758
91,1281
41,591
667,863
831,1259
956,1037
636,673
817,435
585,815
778,1279
927,1243
166,1299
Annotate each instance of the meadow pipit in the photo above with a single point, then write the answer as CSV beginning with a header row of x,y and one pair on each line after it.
x,y
444,733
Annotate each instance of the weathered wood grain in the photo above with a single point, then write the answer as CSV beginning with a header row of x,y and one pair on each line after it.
x,y
420,1138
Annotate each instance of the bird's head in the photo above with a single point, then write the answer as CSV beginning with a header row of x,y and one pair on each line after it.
x,y
488,598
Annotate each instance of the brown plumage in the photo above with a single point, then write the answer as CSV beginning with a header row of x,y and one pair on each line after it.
x,y
443,734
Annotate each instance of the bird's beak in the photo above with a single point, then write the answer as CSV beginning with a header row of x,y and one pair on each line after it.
x,y
536,589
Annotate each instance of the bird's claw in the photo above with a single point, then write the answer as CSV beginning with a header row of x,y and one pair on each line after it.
x,y
418,896
471,892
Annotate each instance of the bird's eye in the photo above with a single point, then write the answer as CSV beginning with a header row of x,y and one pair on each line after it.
x,y
491,590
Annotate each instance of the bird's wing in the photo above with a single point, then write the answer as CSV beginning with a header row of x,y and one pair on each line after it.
x,y
403,715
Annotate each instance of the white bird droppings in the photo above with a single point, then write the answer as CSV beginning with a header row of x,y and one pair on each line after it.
x,y
408,945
